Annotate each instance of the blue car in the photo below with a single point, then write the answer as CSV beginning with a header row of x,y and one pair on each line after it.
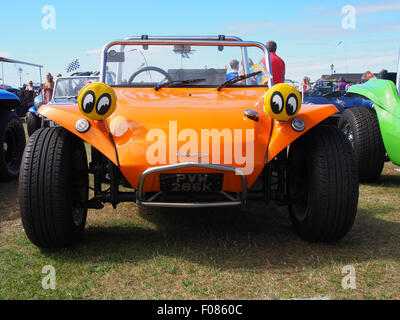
x,y
12,136
324,93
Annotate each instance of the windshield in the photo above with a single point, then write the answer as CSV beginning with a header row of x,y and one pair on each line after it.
x,y
151,65
70,87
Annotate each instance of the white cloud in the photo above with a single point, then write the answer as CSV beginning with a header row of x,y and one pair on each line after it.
x,y
5,54
365,9
378,8
96,51
32,54
322,10
393,26
249,26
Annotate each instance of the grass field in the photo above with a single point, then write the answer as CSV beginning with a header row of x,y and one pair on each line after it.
x,y
133,253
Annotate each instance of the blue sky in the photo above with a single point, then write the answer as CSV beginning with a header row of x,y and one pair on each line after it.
x,y
309,34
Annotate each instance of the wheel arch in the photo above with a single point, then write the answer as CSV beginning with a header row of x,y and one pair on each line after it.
x,y
282,134
382,93
97,135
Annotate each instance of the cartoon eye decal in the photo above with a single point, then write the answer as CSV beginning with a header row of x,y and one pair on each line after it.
x,y
103,104
97,101
277,102
88,101
292,104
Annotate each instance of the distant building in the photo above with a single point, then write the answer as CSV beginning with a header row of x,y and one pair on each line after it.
x,y
355,77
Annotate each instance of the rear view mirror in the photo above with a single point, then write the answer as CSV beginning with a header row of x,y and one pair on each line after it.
x,y
114,56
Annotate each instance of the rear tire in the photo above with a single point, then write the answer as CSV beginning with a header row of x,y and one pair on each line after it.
x,y
12,144
322,185
53,189
361,127
33,123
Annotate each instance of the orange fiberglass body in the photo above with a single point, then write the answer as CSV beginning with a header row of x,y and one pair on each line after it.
x,y
142,114
170,125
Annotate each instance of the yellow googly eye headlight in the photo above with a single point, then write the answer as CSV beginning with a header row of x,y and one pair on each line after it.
x,y
282,102
97,101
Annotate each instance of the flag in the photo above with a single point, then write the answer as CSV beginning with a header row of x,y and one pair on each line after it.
x,y
74,65
262,78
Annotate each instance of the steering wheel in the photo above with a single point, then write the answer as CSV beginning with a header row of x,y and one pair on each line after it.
x,y
147,69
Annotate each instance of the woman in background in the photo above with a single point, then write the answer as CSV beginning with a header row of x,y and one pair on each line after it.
x,y
305,85
48,88
342,84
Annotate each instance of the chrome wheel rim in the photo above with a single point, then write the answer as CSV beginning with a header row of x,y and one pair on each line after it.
x,y
348,133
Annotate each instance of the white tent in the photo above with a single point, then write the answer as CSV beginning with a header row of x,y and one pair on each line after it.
x,y
8,60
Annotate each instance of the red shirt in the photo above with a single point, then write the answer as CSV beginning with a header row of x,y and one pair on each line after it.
x,y
278,68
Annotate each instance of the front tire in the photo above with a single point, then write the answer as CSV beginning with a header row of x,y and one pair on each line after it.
x,y
322,185
53,189
33,123
361,127
12,144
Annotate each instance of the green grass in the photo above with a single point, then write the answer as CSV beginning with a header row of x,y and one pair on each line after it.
x,y
133,253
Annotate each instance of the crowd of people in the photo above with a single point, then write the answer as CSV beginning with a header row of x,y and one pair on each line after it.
x,y
29,92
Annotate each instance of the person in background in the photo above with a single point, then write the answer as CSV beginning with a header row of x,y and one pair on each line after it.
x,y
305,85
48,88
242,72
40,89
342,84
277,64
234,64
21,92
242,66
27,96
30,94
383,74
30,87
59,75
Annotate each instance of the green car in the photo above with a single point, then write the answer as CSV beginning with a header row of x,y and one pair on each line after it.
x,y
374,133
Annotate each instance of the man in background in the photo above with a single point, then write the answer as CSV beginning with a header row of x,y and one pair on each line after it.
x,y
234,64
277,64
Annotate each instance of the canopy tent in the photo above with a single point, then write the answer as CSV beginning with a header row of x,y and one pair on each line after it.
x,y
8,60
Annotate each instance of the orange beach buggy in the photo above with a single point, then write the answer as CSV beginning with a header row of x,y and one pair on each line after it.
x,y
186,122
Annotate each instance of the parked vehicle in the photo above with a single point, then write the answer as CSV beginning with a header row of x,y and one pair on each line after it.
x,y
175,132
24,104
66,90
12,136
374,133
325,92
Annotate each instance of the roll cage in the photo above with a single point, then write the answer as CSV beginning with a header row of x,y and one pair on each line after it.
x,y
219,41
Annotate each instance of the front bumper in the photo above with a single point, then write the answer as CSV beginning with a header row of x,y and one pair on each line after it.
x,y
141,198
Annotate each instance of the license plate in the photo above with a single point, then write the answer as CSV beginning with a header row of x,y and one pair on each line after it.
x,y
191,182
